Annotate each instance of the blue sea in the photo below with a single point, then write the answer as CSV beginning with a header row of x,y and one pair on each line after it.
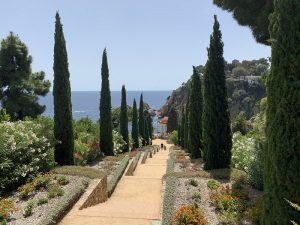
x,y
86,103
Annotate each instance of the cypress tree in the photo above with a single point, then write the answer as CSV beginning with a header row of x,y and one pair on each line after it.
x,y
63,124
172,120
195,116
282,154
124,119
150,128
182,129
147,127
186,126
106,141
135,131
142,120
217,138
179,134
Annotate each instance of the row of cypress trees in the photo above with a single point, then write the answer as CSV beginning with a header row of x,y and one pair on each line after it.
x,y
205,123
63,122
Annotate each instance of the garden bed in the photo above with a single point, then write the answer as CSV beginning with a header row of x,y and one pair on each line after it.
x,y
50,196
233,202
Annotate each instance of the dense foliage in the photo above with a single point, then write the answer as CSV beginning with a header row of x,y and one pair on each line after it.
x,y
26,148
63,126
174,137
282,155
142,120
254,14
172,121
106,139
19,87
135,128
216,122
195,116
124,120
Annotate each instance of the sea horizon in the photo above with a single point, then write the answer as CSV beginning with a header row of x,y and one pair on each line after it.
x,y
86,103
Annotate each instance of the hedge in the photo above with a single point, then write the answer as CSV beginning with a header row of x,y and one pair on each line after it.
x,y
112,183
60,209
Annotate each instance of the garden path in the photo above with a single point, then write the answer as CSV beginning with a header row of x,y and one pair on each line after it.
x,y
136,200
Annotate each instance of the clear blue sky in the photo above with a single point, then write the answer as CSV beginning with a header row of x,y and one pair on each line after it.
x,y
152,44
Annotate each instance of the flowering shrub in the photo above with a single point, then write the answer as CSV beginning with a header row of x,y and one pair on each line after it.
x,y
230,202
7,206
189,214
247,152
25,150
119,143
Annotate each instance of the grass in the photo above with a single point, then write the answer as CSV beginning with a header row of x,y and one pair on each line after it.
x,y
80,171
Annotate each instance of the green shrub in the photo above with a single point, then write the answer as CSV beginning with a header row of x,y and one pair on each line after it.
x,y
62,180
174,137
255,211
26,189
193,182
213,184
55,191
247,155
25,151
42,181
197,198
28,209
42,201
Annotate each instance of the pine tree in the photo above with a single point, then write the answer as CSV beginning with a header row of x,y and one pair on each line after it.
x,y
182,140
106,141
282,154
19,87
217,138
142,120
135,128
172,120
195,116
63,124
124,119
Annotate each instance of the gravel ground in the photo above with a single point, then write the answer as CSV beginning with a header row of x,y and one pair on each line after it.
x,y
38,211
184,195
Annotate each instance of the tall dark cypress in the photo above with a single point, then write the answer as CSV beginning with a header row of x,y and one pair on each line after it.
x,y
142,120
150,126
135,128
172,120
179,134
217,136
195,116
124,119
106,141
147,127
186,126
182,140
63,126
282,154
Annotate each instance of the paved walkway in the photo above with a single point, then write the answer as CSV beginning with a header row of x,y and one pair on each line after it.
x,y
135,201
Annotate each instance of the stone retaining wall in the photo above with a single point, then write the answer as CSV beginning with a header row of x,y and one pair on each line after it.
x,y
98,195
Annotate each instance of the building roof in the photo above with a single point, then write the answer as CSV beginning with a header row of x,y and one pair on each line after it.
x,y
164,120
